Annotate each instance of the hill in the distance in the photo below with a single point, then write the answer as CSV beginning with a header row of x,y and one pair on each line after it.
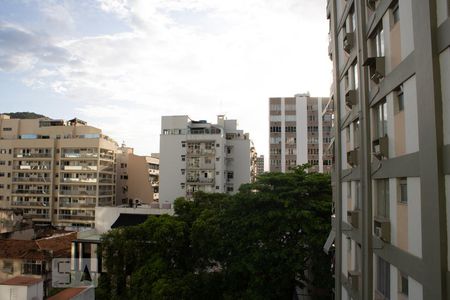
x,y
25,115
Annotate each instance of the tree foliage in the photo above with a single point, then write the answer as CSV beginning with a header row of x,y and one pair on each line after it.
x,y
258,244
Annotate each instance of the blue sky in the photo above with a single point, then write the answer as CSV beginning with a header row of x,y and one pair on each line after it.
x,y
122,64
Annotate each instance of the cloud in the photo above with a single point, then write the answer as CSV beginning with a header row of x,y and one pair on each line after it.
x,y
195,57
22,49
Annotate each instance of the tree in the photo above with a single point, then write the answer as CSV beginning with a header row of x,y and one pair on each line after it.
x,y
258,244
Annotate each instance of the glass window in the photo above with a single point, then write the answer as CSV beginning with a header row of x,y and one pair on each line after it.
x,y
383,278
395,13
382,186
403,189
381,120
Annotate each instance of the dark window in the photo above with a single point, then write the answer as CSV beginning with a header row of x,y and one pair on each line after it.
x,y
383,278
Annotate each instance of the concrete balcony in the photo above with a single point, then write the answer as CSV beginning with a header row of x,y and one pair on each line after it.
x,y
80,168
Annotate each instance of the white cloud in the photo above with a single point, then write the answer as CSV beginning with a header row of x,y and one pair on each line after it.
x,y
195,57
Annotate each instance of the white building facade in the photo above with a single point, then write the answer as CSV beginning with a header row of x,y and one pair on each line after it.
x,y
200,156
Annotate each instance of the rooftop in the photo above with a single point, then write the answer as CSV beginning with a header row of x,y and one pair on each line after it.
x,y
21,280
67,294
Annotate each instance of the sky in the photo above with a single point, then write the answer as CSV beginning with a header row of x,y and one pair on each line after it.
x,y
122,64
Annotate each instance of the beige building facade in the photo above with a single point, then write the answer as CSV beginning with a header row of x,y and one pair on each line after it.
x,y
137,177
391,73
55,171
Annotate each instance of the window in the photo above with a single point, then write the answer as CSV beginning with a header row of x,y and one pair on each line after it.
x,y
382,187
403,284
380,120
33,267
183,157
7,129
8,267
383,278
379,42
358,198
355,76
395,13
183,171
403,190
399,104
3,151
183,144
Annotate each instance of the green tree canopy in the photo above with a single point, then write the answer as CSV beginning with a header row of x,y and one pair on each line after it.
x,y
258,244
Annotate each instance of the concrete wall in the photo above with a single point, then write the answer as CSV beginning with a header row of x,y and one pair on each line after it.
x,y
13,292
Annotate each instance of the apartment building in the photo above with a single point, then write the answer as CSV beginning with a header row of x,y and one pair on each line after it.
x,y
260,165
55,172
201,156
137,177
300,133
391,90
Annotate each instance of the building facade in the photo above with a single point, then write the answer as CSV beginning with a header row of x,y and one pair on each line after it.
x,y
201,156
300,133
55,172
260,165
391,73
137,177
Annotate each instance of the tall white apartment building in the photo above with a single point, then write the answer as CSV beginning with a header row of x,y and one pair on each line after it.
x,y
201,156
55,171
391,69
300,132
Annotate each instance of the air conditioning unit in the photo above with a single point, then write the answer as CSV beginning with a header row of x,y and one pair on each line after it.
x,y
382,229
349,39
381,147
377,68
352,157
354,278
351,98
353,218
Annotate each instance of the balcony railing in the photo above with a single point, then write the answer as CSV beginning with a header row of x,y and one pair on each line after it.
x,y
31,179
78,192
200,152
79,180
33,192
76,217
80,168
33,155
200,180
79,155
32,167
29,203
37,216
71,204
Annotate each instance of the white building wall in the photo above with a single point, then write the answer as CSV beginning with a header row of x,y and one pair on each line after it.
x,y
411,119
241,162
390,124
414,213
406,28
393,283
344,150
32,292
301,107
344,201
442,11
319,118
415,290
447,197
283,135
444,58
393,209
170,176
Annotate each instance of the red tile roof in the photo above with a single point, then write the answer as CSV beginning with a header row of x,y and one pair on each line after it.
x,y
61,245
21,280
55,246
67,294
19,249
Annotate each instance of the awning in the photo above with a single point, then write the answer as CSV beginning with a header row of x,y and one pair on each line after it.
x,y
125,220
329,241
